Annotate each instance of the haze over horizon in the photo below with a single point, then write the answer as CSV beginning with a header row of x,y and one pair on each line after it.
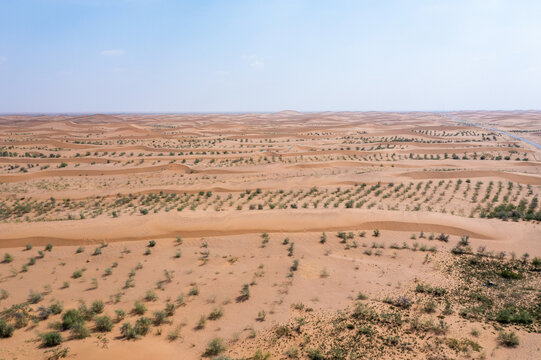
x,y
164,56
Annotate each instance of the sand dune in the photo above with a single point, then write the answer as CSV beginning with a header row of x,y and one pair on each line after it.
x,y
520,178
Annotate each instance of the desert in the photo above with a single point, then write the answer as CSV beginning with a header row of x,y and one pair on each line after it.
x,y
287,235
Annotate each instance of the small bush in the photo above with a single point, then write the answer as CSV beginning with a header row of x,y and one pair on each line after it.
x,y
72,317
56,308
6,330
79,331
139,308
361,296
509,339
7,258
120,315
97,307
160,317
216,313
34,297
51,339
315,354
104,323
142,326
215,347
151,295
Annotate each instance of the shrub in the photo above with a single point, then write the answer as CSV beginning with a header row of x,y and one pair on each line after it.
x,y
376,233
7,258
51,339
261,316
120,315
174,334
6,330
160,317
511,275
56,308
315,354
260,355
34,297
244,293
295,265
170,309
216,313
201,323
509,339
77,274
151,295
4,294
151,243
361,296
194,291
128,331
513,315
215,347
97,307
104,323
139,308
49,247
72,317
142,326
79,331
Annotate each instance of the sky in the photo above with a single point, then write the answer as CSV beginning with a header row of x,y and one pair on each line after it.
x,y
109,56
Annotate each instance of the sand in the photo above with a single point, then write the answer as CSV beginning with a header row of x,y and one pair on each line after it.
x,y
221,181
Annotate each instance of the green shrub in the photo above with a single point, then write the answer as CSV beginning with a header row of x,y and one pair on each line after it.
x,y
120,315
142,326
104,323
127,331
215,347
51,339
70,318
151,295
513,315
56,308
216,313
160,317
79,331
7,258
6,330
315,354
97,307
34,297
139,308
511,275
509,339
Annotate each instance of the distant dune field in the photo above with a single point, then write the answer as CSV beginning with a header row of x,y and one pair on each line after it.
x,y
348,235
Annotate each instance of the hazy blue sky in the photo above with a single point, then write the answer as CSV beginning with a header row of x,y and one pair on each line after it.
x,y
205,56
